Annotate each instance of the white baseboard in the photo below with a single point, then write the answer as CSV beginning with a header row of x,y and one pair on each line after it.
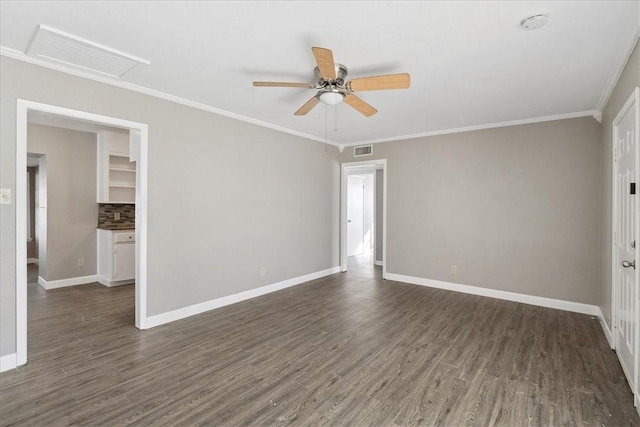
x,y
8,361
606,329
63,283
181,313
576,307
110,284
376,262
35,261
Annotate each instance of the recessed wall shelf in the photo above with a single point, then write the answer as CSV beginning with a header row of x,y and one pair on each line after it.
x,y
116,173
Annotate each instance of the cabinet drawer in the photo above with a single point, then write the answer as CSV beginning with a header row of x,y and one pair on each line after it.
x,y
126,236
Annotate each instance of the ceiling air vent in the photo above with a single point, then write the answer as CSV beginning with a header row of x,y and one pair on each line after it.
x,y
64,48
363,150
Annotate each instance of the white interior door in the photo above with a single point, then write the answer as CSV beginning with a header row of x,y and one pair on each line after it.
x,y
355,215
625,139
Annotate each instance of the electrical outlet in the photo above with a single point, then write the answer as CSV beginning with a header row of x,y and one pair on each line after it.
x,y
5,196
454,269
263,271
116,216
81,262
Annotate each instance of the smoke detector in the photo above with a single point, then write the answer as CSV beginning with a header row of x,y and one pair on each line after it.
x,y
534,22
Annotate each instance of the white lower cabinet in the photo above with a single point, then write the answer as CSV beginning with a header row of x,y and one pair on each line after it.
x,y
116,257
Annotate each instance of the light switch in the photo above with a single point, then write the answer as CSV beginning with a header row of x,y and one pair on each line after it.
x,y
116,216
5,196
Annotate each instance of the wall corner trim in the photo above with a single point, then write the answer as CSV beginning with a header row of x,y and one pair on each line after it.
x,y
8,362
607,332
63,283
192,310
576,307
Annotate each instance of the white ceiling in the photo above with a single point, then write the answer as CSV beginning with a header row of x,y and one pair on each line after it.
x,y
470,63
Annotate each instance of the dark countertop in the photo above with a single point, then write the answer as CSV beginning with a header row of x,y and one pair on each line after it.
x,y
117,227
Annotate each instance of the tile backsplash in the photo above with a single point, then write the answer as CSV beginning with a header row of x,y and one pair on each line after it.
x,y
107,213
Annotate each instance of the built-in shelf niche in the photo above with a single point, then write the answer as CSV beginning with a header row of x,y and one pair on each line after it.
x,y
116,173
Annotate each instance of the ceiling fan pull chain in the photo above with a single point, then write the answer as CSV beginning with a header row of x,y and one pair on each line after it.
x,y
326,125
335,121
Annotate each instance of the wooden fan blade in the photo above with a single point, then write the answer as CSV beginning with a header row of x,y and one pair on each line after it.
x,y
360,105
283,84
390,81
324,58
307,106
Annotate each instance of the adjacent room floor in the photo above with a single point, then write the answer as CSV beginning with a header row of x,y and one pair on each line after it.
x,y
346,349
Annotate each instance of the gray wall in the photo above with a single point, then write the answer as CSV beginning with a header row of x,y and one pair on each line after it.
x,y
379,212
72,211
515,208
629,80
225,197
32,247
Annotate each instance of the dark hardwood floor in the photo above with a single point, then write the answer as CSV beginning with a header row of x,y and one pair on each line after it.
x,y
347,349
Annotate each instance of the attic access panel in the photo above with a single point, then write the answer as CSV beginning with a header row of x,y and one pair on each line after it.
x,y
58,46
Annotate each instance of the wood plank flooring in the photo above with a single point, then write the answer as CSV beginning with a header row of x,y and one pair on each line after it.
x,y
348,349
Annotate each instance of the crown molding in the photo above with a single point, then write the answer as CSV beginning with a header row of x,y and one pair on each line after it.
x,y
615,75
20,56
589,113
12,53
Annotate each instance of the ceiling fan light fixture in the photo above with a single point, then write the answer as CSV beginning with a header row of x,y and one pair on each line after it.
x,y
331,98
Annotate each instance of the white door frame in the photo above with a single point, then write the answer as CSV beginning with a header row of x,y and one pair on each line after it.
x,y
347,168
635,97
22,109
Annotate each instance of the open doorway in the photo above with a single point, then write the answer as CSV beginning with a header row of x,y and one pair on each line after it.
x,y
138,136
33,234
36,224
358,211
63,154
363,216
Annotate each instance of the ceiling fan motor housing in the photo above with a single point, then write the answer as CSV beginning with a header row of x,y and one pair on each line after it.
x,y
341,76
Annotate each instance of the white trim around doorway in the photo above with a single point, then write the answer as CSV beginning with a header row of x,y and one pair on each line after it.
x,y
362,166
22,109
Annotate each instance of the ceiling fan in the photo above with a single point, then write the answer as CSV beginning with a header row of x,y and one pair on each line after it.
x,y
333,88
